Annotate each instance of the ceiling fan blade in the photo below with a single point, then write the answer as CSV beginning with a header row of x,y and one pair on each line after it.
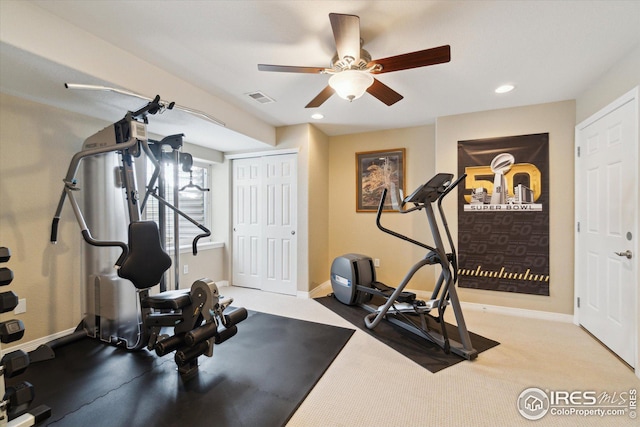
x,y
346,32
421,58
290,69
321,97
384,93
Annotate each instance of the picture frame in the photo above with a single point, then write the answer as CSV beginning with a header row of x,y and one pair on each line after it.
x,y
376,170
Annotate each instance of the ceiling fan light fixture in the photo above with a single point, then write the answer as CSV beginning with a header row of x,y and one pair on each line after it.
x,y
351,84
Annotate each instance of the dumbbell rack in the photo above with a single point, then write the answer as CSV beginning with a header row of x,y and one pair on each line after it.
x,y
16,399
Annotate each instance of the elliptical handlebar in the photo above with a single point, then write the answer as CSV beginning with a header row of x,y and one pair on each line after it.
x,y
399,206
396,194
393,233
454,257
451,187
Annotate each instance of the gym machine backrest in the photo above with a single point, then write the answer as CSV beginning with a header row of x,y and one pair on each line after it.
x,y
146,261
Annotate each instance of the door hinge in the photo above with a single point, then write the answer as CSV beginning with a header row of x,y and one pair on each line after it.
x,y
578,151
578,229
578,302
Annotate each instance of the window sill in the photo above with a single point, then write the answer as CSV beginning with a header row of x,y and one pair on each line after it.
x,y
201,247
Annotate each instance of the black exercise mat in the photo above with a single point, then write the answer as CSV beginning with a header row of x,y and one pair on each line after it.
x,y
420,350
257,378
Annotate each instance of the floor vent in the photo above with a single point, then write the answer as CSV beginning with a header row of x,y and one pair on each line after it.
x,y
261,97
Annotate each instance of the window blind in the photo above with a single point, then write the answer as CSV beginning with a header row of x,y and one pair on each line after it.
x,y
191,201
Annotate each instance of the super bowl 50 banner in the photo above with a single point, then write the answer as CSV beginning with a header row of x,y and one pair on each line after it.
x,y
503,214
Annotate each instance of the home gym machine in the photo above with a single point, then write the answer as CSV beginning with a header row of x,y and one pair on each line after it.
x,y
15,399
353,276
121,309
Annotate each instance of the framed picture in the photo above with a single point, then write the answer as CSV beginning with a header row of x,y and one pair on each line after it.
x,y
375,171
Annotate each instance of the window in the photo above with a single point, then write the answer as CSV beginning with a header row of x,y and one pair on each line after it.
x,y
191,200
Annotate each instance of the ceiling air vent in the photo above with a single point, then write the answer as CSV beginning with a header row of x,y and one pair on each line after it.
x,y
261,97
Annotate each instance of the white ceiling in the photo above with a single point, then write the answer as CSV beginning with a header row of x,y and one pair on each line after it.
x,y
551,51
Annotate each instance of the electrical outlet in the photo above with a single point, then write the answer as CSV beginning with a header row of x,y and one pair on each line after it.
x,y
376,262
185,269
21,307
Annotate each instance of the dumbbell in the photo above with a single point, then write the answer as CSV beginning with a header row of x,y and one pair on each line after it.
x,y
6,276
15,363
11,330
5,254
8,301
19,397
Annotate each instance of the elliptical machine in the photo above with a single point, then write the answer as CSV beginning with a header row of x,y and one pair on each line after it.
x,y
353,276
118,313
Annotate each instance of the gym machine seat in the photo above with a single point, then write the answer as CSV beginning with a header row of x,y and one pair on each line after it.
x,y
194,314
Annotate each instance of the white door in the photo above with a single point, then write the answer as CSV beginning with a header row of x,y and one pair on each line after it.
x,y
606,208
246,223
280,214
265,223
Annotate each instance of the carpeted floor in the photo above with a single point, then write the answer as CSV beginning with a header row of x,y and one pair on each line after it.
x,y
421,351
259,377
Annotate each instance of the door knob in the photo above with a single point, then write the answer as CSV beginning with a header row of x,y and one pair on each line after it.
x,y
293,232
627,254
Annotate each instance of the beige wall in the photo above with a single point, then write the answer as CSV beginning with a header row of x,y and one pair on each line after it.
x,y
618,80
351,231
432,149
558,119
36,145
209,263
318,207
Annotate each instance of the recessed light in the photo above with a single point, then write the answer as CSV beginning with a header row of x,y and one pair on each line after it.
x,y
317,116
505,88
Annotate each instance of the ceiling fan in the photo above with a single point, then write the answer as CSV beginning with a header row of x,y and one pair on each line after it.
x,y
352,68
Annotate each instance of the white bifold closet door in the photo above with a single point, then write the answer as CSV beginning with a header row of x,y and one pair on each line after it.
x,y
264,223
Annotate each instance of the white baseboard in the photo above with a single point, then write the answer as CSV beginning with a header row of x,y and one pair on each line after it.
x,y
322,290
518,312
325,289
32,345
